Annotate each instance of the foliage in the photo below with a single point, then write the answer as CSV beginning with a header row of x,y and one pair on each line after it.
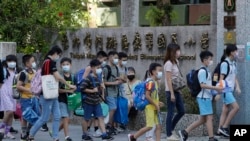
x,y
31,24
160,16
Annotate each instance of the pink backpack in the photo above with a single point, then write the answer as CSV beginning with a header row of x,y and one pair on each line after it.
x,y
36,83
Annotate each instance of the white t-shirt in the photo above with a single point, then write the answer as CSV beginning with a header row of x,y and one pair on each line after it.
x,y
173,68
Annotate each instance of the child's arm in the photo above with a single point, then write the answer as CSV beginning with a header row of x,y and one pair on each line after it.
x,y
86,72
237,88
150,100
66,91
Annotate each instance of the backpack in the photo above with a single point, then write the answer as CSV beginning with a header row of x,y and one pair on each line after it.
x,y
16,93
217,73
193,81
36,83
139,96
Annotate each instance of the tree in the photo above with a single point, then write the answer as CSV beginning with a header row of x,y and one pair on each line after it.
x,y
31,24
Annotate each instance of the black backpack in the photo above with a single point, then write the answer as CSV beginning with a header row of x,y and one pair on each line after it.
x,y
193,81
217,73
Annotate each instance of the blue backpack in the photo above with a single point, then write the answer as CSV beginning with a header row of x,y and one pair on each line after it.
x,y
139,96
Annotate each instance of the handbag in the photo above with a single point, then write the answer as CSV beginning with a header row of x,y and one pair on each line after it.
x,y
178,82
50,85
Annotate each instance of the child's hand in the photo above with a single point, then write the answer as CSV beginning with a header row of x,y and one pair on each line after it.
x,y
71,91
72,87
95,90
238,90
219,89
161,104
217,97
157,107
103,86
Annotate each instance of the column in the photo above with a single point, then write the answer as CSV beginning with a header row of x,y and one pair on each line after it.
x,y
130,13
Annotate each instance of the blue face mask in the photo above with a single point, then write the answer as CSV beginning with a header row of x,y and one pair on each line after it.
x,y
98,71
57,59
66,68
159,75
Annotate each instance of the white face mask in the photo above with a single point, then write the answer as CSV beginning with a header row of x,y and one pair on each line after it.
x,y
178,53
124,63
66,68
115,61
57,58
98,71
159,75
11,65
211,62
33,65
104,63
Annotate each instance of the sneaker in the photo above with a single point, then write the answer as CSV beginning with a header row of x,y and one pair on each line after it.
x,y
131,137
86,138
212,139
111,131
9,136
24,137
13,131
97,133
50,134
44,128
119,129
175,135
68,139
149,139
183,135
172,138
224,131
107,138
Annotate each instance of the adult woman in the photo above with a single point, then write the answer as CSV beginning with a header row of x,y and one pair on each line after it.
x,y
174,98
7,103
50,105
130,85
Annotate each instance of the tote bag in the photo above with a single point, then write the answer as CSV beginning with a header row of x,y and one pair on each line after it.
x,y
50,85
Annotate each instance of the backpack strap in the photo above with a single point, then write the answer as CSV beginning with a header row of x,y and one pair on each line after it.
x,y
206,79
94,85
110,72
228,68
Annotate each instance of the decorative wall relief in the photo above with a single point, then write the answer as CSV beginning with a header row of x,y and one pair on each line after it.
x,y
76,42
149,40
125,43
204,41
99,42
174,38
190,42
230,37
65,42
161,41
137,41
111,43
88,41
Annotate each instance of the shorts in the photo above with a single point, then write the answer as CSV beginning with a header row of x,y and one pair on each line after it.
x,y
64,110
92,110
151,117
25,103
205,106
228,98
112,102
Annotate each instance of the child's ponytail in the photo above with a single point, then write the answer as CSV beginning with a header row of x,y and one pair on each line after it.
x,y
146,75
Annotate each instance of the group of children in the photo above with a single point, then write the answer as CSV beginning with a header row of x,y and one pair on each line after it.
x,y
106,78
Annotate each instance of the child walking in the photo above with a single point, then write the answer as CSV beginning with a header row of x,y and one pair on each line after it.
x,y
152,110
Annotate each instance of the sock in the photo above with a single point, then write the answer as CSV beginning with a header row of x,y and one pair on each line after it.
x,y
7,129
24,130
96,128
88,128
3,125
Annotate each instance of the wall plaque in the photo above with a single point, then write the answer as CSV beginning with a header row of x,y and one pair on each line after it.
x,y
229,5
230,37
229,22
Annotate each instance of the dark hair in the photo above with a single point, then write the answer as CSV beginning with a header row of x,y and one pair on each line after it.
x,y
11,57
112,53
230,48
205,55
152,67
94,63
101,54
171,53
122,55
53,50
65,59
26,58
131,69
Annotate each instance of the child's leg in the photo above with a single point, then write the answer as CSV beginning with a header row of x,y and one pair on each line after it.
x,y
158,132
102,125
66,126
96,124
209,124
231,114
195,124
141,132
223,115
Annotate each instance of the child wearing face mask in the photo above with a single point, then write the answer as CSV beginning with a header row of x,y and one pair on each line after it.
x,y
7,103
64,91
23,85
152,110
204,99
92,102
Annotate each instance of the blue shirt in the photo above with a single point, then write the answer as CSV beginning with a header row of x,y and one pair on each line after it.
x,y
205,79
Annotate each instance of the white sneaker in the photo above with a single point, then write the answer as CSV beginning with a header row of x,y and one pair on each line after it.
x,y
119,130
175,135
172,138
149,139
9,136
97,133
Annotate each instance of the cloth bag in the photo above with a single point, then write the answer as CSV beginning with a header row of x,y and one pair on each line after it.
x,y
178,82
50,85
74,100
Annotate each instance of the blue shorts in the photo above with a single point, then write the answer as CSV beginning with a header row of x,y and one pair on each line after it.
x,y
205,106
64,110
112,102
92,110
25,103
228,98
